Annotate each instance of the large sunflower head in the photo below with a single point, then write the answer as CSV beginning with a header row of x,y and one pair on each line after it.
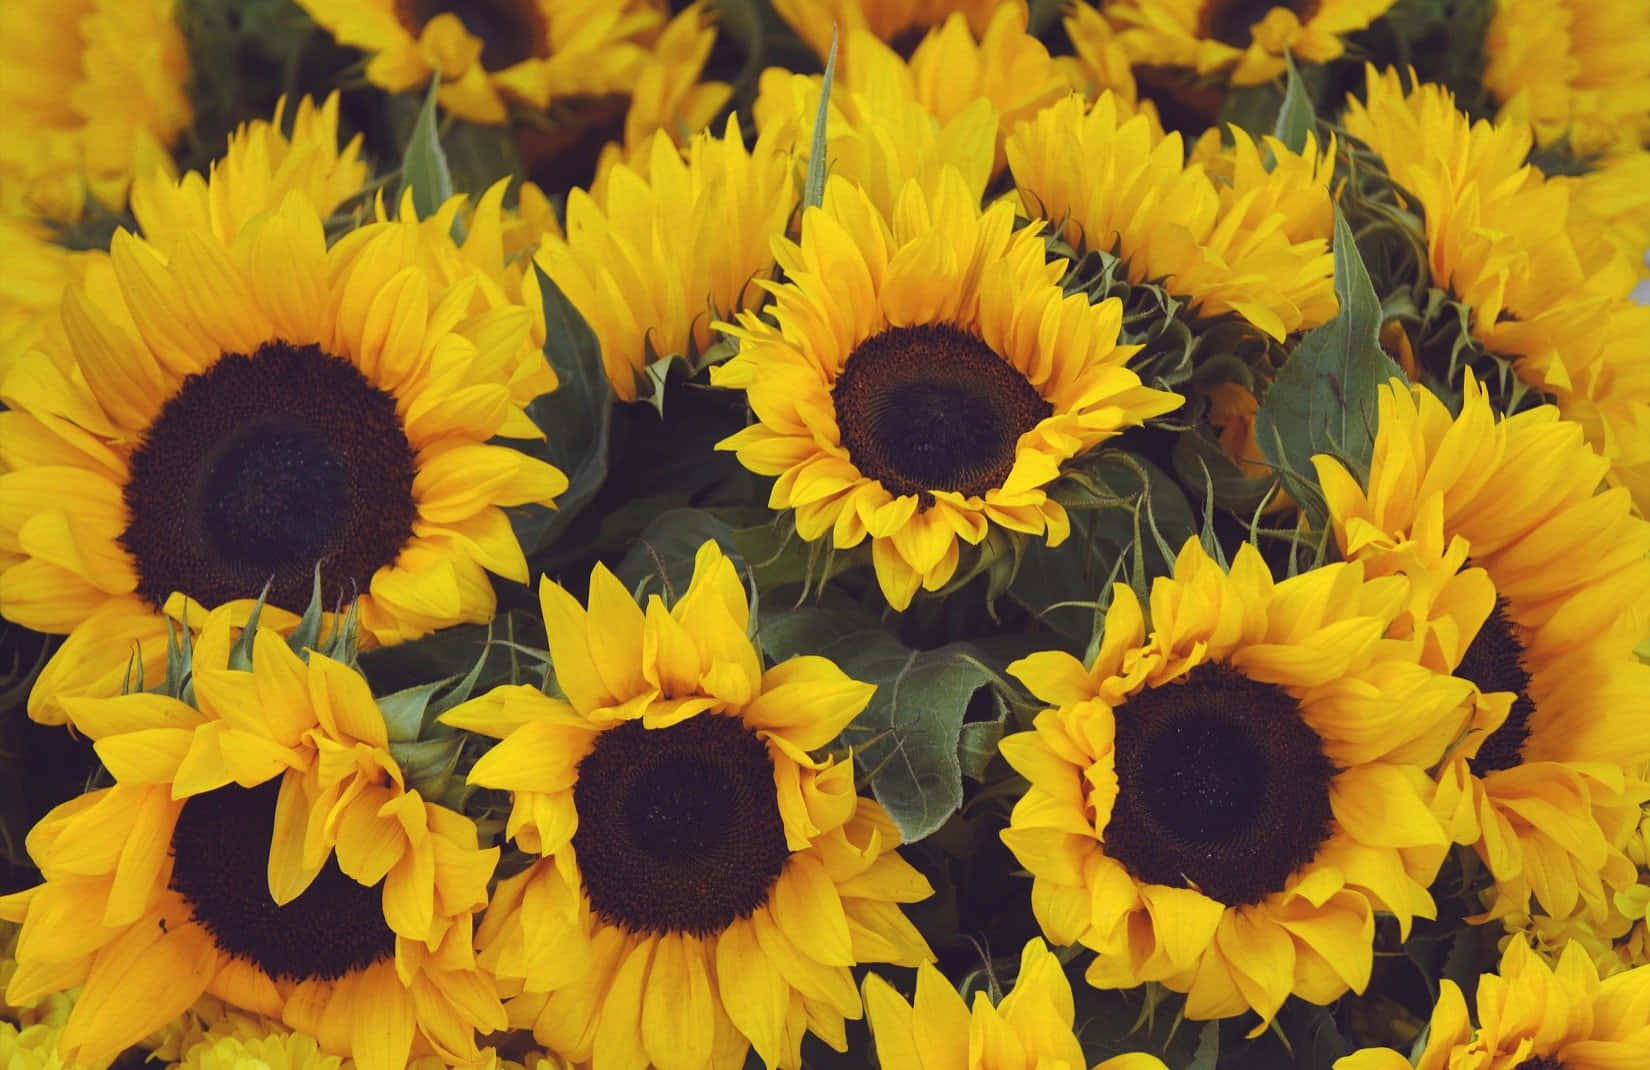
x,y
705,883
1222,805
1532,1015
1031,1027
491,52
925,378
1541,785
1246,40
260,843
656,252
1230,236
94,93
210,418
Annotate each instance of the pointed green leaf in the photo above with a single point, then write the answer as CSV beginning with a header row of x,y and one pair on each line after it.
x,y
404,710
661,560
1296,118
424,167
813,189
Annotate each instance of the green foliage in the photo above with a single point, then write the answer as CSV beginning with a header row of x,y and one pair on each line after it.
x,y
661,560
813,187
424,168
1296,118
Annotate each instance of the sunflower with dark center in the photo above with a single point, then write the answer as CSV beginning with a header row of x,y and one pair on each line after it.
x,y
247,408
1530,584
902,24
1245,39
704,883
492,52
261,846
1223,805
924,378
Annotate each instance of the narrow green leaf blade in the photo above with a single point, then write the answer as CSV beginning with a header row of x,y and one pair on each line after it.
x,y
813,188
1296,118
424,168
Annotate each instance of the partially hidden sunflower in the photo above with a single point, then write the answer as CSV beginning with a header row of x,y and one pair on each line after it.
x,y
1532,1016
1031,1028
1544,784
1548,289
1244,40
1576,71
261,844
1224,804
657,252
924,378
206,418
902,24
94,94
703,884
491,52
1235,236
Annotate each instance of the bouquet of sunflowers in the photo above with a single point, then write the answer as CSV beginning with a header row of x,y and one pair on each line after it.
x,y
926,534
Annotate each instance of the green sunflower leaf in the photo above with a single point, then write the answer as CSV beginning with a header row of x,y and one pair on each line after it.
x,y
575,418
1295,116
661,560
424,168
909,741
813,188
1324,398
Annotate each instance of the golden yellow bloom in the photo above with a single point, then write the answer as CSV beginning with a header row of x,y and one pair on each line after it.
x,y
260,844
1540,785
491,52
656,253
93,95
1098,62
705,884
1547,295
1612,203
900,23
212,418
1252,241
1223,805
925,380
1578,71
1533,1016
37,272
1246,38
1031,1029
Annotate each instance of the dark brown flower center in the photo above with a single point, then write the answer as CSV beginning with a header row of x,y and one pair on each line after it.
x,y
1540,1062
933,408
220,862
1495,662
260,467
1231,22
679,827
1222,786
510,31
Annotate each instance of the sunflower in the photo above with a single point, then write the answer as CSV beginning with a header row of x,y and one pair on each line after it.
x,y
259,843
1548,292
93,95
1611,202
225,416
1248,38
1223,805
925,378
1541,787
902,24
37,272
1533,1016
655,253
1578,71
1031,1027
704,885
1252,241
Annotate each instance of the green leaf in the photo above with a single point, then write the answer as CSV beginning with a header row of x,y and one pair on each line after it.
x,y
1207,1054
977,745
1043,14
404,710
424,168
1296,118
575,418
909,739
813,189
661,561
1324,398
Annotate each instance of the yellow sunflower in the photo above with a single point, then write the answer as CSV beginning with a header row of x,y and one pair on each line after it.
x,y
37,272
900,23
1534,1017
490,52
93,95
1031,1028
1223,806
219,417
1578,71
1248,38
260,844
925,378
1541,786
657,252
1611,202
1234,238
705,885
1548,292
